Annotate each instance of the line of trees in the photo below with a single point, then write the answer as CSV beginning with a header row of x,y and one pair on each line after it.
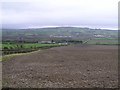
x,y
52,41
18,41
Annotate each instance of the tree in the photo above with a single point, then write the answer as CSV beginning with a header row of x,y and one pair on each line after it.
x,y
11,47
21,46
52,41
5,48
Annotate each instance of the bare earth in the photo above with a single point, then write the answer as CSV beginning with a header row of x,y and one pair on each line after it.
x,y
64,67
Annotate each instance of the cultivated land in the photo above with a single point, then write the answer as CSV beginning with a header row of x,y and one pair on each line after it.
x,y
77,66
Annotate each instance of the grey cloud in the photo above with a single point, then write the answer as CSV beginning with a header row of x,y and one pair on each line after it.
x,y
45,12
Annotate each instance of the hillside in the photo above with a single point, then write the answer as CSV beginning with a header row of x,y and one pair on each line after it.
x,y
74,33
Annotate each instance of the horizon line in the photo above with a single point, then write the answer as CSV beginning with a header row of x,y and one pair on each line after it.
x,y
35,27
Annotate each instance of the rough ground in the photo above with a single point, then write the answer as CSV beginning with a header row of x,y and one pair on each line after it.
x,y
64,67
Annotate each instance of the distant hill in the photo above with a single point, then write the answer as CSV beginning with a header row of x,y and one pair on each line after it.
x,y
74,33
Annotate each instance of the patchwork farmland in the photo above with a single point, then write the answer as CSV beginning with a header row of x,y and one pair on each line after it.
x,y
63,57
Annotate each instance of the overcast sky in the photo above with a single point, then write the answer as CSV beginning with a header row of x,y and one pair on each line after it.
x,y
86,13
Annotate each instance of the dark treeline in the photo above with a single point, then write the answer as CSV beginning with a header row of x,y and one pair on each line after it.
x,y
17,41
52,41
68,41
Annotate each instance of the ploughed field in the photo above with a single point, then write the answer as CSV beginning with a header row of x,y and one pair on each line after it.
x,y
79,66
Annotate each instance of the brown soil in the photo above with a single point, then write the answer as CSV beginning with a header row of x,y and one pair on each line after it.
x,y
64,67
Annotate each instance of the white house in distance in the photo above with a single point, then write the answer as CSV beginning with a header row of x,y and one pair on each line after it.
x,y
45,42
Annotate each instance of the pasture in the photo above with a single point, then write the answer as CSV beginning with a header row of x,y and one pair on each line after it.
x,y
9,48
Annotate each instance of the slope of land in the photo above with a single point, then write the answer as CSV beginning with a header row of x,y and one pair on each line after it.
x,y
58,33
76,66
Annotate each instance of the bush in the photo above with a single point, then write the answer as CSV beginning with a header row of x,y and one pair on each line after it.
x,y
11,47
5,48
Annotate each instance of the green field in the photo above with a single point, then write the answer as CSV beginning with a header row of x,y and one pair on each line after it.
x,y
24,47
103,41
27,45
